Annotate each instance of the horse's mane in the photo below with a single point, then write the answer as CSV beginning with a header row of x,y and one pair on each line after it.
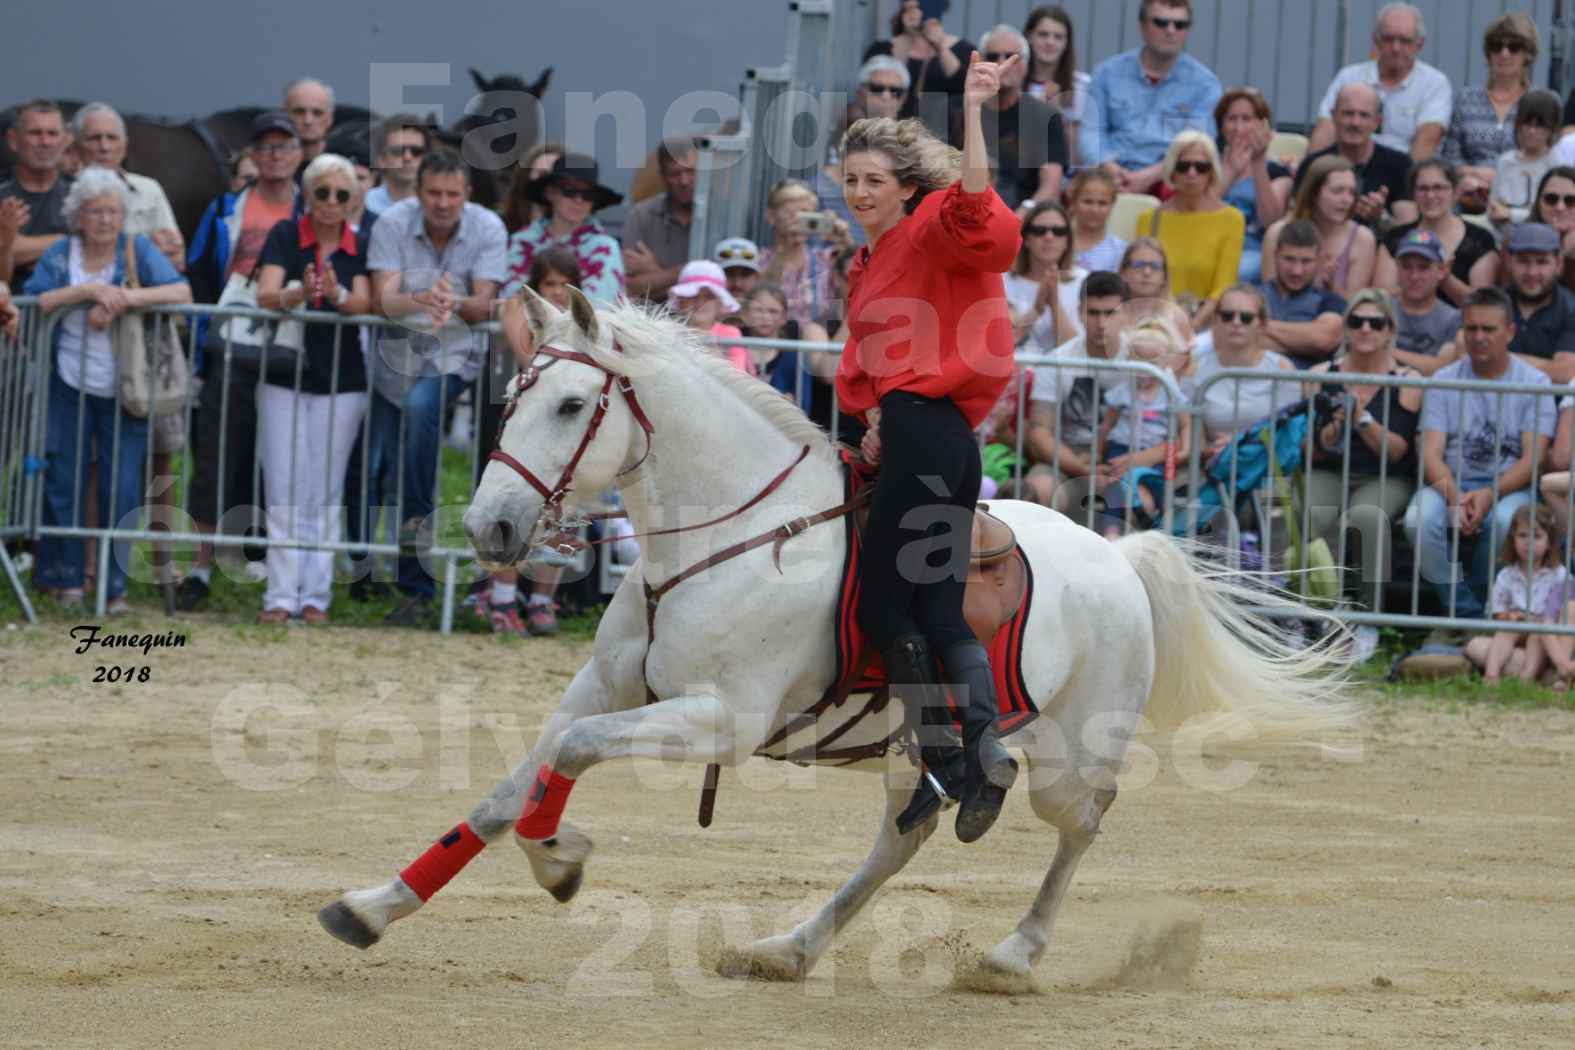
x,y
650,334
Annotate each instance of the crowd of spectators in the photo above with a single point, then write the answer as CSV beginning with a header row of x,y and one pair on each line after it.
x,y
1428,229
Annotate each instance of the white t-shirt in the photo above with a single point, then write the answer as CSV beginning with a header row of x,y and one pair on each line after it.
x,y
1231,405
1076,391
1021,293
1425,97
86,360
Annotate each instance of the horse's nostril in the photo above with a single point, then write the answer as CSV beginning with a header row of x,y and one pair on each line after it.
x,y
504,532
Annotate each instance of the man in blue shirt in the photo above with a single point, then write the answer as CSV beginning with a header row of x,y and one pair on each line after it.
x,y
1305,320
1142,99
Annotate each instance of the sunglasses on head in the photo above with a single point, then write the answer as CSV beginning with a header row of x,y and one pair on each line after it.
x,y
1000,56
1356,322
886,89
1554,200
322,193
1040,231
1514,45
1178,24
729,254
1244,316
405,151
1193,167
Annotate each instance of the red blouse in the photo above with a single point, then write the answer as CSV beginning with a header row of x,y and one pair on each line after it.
x,y
927,311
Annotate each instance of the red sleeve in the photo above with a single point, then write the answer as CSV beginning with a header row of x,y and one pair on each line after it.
x,y
973,231
855,389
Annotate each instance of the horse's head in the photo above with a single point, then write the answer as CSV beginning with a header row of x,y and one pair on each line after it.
x,y
572,425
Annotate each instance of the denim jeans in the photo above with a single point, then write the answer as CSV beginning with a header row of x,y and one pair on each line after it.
x,y
62,561
1427,527
413,475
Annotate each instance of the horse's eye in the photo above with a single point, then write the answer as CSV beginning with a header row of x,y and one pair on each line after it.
x,y
571,406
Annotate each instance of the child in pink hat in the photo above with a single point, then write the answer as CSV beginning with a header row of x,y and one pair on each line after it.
x,y
701,298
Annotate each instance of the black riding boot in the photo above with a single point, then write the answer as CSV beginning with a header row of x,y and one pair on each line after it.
x,y
989,769
911,676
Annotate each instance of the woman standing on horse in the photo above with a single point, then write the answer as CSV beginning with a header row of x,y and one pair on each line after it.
x,y
929,351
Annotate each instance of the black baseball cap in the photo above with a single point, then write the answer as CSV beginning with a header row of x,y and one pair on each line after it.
x,y
272,120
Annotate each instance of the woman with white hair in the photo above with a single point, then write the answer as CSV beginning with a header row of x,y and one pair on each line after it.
x,y
1202,235
307,428
86,275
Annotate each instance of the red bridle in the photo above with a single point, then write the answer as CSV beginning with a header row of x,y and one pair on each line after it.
x,y
554,496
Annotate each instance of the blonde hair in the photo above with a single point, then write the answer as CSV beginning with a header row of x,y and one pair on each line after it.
x,y
1185,141
1386,305
918,158
325,164
788,188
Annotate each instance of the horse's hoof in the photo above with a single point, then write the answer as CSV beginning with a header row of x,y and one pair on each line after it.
x,y
1010,958
772,959
347,926
558,863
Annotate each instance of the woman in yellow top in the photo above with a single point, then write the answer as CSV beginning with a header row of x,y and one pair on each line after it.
x,y
1202,234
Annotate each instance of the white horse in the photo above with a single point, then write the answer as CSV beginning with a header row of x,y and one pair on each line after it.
x,y
1117,629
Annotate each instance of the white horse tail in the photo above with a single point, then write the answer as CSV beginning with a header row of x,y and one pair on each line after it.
x,y
1218,668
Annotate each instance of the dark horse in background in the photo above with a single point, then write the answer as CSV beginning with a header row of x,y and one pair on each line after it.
x,y
191,159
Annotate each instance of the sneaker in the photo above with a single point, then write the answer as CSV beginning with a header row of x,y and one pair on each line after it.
x,y
504,619
412,612
192,594
540,620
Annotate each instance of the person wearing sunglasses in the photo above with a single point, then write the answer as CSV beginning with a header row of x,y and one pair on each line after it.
x,y
1202,235
936,60
572,193
1044,284
1240,340
1555,207
229,240
306,430
1417,99
1520,170
1025,136
1482,124
1140,99
399,143
1367,474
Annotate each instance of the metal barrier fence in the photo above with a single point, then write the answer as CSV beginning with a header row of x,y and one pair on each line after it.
x,y
1193,481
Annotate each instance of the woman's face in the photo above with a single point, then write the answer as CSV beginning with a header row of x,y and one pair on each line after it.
x,y
1534,137
1194,172
1555,212
1048,42
784,217
1047,236
1145,274
1241,120
1091,207
912,16
1337,196
330,198
1239,321
554,287
570,200
764,315
1372,336
1435,196
702,310
101,219
873,193
1508,57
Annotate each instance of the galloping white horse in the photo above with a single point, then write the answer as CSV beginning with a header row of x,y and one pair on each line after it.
x,y
628,398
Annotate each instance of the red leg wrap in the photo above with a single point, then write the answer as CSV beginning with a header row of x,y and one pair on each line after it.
x,y
442,861
544,805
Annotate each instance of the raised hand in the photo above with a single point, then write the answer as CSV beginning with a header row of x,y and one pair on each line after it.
x,y
984,79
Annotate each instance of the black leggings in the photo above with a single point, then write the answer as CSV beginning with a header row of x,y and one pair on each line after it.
x,y
916,544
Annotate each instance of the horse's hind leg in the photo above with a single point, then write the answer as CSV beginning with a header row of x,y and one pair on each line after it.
x,y
1075,809
791,956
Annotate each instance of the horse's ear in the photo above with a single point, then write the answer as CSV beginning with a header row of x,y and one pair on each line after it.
x,y
539,314
539,88
584,314
482,83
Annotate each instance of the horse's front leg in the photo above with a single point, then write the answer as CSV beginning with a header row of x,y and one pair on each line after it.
x,y
791,956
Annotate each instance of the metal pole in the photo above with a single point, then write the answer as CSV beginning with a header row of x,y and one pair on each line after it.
x,y
1557,50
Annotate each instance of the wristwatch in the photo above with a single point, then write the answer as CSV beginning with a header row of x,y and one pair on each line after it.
x,y
1366,418
342,297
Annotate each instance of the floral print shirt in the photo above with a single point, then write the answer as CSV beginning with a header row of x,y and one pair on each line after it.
x,y
600,259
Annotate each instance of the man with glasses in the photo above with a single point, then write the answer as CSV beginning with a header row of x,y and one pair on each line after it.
x,y
1025,136
229,241
1383,174
1543,309
1478,452
1305,319
1142,99
1417,99
399,144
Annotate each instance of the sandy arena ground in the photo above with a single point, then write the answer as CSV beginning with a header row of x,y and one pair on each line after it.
x,y
167,845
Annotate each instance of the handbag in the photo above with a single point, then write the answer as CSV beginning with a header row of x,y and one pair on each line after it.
x,y
152,378
265,349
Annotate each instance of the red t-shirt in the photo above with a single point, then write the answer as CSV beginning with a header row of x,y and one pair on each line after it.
x,y
927,310
259,218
